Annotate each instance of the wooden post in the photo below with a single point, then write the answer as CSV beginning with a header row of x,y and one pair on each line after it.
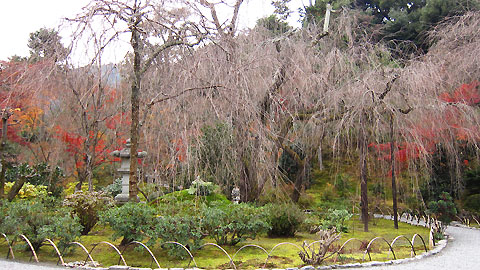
x,y
3,142
394,185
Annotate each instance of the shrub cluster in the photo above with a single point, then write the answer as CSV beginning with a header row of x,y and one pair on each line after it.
x,y
444,209
87,206
284,219
233,224
37,221
335,219
181,218
131,221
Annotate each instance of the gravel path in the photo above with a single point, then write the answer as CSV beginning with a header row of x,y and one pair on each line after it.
x,y
461,252
9,265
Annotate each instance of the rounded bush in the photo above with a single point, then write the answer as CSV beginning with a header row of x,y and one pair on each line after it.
x,y
87,206
132,221
284,219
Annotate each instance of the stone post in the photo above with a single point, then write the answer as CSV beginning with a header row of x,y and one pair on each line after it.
x,y
236,195
124,170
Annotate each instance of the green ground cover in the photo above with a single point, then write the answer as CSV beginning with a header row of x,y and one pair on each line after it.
x,y
211,257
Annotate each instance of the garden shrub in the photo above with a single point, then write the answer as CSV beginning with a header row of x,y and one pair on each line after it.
x,y
132,221
173,208
87,206
114,189
444,209
185,230
284,219
336,218
38,222
28,191
233,224
71,188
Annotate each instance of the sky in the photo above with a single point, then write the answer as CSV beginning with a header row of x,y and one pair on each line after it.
x,y
19,18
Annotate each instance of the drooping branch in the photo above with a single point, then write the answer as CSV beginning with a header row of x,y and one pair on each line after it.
x,y
278,81
164,47
157,100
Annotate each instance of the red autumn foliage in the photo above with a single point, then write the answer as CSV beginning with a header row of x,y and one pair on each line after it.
x,y
467,94
75,146
403,151
117,119
435,128
180,149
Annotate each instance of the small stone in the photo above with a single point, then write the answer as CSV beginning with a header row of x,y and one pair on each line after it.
x,y
372,263
399,261
308,267
119,267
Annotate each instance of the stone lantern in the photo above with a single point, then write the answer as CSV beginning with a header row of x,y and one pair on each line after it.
x,y
236,195
124,170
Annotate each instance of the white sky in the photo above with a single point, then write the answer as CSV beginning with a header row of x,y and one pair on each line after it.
x,y
19,18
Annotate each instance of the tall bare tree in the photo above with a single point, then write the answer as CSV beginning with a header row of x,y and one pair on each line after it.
x,y
144,20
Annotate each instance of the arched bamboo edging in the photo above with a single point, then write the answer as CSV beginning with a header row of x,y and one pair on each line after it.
x,y
421,238
224,251
391,245
379,209
144,246
344,244
255,246
408,240
371,242
56,250
31,247
284,243
9,247
86,251
114,247
184,247
280,244
476,220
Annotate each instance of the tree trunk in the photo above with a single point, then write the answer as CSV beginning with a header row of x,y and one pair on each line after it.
x,y
299,181
363,177
3,141
16,188
319,157
135,100
394,184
